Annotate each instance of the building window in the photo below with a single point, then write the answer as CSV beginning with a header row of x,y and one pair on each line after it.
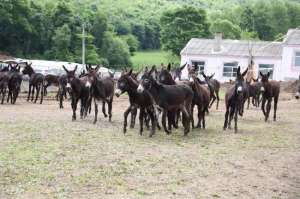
x,y
297,59
229,69
199,66
265,68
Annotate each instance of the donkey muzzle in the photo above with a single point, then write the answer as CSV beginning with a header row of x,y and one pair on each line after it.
x,y
118,92
239,89
262,89
297,96
140,89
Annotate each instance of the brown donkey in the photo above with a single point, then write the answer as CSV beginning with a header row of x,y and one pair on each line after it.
x,y
270,90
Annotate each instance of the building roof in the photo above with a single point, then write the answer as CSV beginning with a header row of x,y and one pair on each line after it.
x,y
233,48
292,37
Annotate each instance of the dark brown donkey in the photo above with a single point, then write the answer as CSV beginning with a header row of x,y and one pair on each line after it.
x,y
270,90
51,80
169,98
102,90
234,100
297,95
36,83
143,101
79,90
201,100
254,92
214,87
4,79
62,90
14,83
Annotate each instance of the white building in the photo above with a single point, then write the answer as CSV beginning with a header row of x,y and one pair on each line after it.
x,y
223,56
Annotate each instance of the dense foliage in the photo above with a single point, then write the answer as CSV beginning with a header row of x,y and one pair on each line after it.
x,y
115,30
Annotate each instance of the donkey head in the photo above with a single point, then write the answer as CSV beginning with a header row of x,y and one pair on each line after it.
x,y
70,75
123,83
28,70
207,78
264,80
239,83
178,72
297,96
165,76
147,81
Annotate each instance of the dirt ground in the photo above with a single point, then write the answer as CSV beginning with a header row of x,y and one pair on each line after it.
x,y
43,154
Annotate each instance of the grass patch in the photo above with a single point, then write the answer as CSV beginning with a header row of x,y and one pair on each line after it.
x,y
149,58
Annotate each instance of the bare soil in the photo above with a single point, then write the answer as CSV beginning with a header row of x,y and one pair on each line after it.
x,y
43,154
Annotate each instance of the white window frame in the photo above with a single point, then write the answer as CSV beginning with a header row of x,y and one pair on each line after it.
x,y
233,65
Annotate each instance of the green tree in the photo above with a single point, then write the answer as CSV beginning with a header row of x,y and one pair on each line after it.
x,y
180,25
116,51
132,43
228,29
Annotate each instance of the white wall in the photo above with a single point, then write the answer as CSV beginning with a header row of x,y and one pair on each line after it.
x,y
288,70
215,63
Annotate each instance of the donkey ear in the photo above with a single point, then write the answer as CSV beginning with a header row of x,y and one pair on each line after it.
x,y
75,68
146,69
130,72
238,70
97,67
203,74
152,69
210,77
87,67
269,73
182,67
245,72
261,74
169,67
65,69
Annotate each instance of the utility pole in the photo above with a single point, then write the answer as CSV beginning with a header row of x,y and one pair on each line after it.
x,y
83,44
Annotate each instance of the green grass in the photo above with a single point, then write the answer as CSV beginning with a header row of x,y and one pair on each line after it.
x,y
149,58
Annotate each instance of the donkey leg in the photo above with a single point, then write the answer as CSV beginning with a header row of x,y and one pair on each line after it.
x,y
103,109
3,95
192,115
42,94
218,99
110,109
29,92
133,116
235,120
231,114
268,109
37,93
263,104
170,116
186,117
163,120
75,102
199,117
141,117
275,108
226,118
203,119
248,102
96,111
213,100
125,119
32,93
153,121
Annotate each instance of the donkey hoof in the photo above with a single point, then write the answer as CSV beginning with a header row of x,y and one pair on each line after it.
x,y
124,131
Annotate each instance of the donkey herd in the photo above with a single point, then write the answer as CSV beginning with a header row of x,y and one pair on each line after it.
x,y
153,92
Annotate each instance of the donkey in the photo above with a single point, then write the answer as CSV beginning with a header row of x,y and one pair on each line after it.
x,y
102,90
297,95
254,92
234,100
51,80
176,72
169,98
79,90
201,99
270,90
143,101
62,90
4,79
214,87
36,82
14,83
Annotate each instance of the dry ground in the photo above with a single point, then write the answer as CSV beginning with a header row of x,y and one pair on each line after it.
x,y
45,155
